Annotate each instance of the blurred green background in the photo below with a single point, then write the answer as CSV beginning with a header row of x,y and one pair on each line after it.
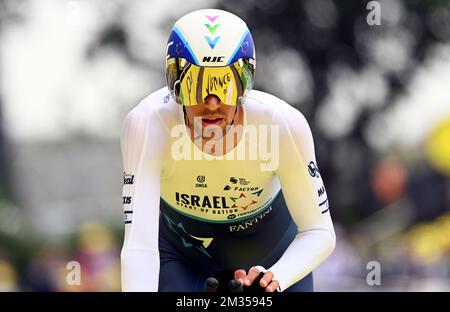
x,y
377,98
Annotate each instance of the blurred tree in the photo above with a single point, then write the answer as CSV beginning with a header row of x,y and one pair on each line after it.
x,y
10,12
4,187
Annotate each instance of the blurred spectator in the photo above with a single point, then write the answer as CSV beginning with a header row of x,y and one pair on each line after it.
x,y
45,267
98,254
8,276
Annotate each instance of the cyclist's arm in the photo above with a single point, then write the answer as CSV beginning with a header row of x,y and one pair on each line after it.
x,y
308,206
140,254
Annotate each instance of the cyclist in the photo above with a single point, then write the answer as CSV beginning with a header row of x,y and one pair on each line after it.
x,y
219,177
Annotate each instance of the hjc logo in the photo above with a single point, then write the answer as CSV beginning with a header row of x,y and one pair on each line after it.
x,y
213,59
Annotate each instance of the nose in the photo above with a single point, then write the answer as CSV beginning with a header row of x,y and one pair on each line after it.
x,y
212,102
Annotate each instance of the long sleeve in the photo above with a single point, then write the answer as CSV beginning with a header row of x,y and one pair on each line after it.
x,y
141,192
306,198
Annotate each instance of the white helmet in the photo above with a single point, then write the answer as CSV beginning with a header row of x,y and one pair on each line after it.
x,y
210,52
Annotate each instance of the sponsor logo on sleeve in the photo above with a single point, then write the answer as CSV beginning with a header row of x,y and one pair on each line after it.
x,y
126,200
313,170
127,216
166,99
128,178
321,191
324,205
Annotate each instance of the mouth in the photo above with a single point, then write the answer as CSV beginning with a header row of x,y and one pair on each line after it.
x,y
213,120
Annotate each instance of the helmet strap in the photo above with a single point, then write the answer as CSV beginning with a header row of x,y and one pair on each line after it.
x,y
235,112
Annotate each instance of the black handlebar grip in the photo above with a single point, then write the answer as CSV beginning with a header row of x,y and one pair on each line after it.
x,y
235,286
211,285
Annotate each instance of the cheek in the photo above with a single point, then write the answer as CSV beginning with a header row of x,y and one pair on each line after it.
x,y
230,113
191,114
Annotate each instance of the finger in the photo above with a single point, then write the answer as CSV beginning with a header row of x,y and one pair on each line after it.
x,y
272,286
240,274
252,275
266,279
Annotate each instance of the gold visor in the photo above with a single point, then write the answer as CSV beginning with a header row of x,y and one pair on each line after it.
x,y
191,84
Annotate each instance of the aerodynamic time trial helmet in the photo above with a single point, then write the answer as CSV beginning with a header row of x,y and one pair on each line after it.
x,y
210,52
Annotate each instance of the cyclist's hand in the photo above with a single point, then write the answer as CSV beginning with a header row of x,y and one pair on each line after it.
x,y
240,274
257,276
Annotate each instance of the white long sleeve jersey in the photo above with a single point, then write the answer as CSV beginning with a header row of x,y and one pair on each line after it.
x,y
262,203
